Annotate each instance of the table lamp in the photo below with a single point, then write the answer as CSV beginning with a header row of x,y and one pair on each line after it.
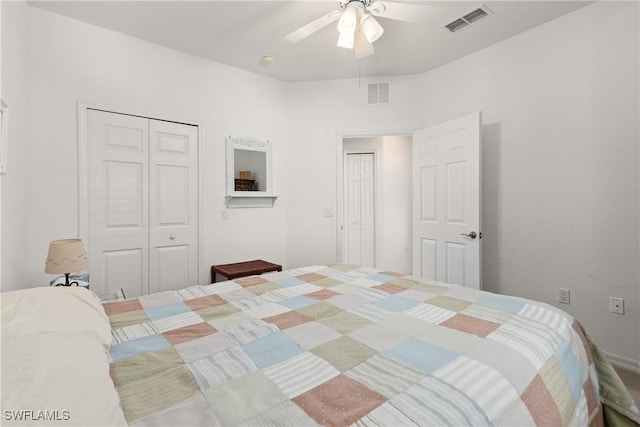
x,y
66,256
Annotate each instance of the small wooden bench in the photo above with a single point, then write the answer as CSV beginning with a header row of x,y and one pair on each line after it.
x,y
243,269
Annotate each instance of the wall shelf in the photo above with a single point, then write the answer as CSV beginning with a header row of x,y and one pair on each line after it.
x,y
249,167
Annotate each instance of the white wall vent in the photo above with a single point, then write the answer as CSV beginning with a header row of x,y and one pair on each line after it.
x,y
378,93
468,18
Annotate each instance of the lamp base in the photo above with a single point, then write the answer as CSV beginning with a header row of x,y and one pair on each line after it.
x,y
66,282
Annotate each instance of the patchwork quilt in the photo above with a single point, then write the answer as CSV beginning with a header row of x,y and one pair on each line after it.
x,y
341,345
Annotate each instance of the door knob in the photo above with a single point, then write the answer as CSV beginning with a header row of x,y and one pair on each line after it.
x,y
472,235
174,237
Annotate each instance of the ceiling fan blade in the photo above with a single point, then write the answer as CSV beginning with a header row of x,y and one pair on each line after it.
x,y
409,12
312,27
362,47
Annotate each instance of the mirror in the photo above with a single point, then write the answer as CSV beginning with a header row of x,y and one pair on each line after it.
x,y
249,169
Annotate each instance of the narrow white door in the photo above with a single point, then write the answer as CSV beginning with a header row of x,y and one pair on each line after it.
x,y
446,209
360,209
143,204
173,238
118,166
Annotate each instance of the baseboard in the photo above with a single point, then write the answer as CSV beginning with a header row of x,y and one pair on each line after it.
x,y
623,362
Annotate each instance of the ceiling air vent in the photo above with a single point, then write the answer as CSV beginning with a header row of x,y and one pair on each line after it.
x,y
468,18
378,93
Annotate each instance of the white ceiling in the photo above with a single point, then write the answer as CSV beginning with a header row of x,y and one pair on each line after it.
x,y
239,33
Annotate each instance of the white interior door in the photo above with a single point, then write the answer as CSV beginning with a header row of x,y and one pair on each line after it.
x,y
446,209
143,203
118,165
360,209
173,237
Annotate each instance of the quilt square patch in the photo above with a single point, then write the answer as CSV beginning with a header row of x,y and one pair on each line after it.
x,y
301,373
285,414
396,303
510,305
470,325
344,322
385,376
177,321
140,345
390,289
221,367
132,332
203,347
298,302
448,303
378,337
120,320
250,331
233,405
204,302
311,277
421,355
111,308
322,295
344,353
156,392
188,333
339,401
211,313
312,334
251,281
271,349
541,405
288,320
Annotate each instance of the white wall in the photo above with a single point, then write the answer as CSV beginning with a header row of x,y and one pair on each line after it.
x,y
318,113
13,228
560,161
561,170
70,60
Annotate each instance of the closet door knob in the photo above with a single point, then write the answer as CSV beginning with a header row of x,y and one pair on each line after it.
x,y
172,237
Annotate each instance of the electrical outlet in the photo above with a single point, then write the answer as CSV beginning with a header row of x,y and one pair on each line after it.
x,y
564,296
225,214
616,305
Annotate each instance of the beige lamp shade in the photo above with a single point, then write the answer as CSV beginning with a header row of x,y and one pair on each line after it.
x,y
66,256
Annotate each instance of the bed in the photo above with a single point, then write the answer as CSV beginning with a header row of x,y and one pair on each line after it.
x,y
319,345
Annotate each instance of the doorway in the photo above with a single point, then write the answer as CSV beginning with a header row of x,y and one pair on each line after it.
x,y
384,235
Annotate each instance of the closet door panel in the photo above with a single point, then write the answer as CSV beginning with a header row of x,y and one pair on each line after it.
x,y
118,187
173,233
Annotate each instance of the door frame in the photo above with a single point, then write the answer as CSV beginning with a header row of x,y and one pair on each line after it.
x,y
83,167
340,159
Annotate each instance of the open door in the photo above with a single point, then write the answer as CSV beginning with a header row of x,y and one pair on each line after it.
x,y
446,208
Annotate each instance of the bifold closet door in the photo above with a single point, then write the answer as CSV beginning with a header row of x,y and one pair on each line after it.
x,y
142,201
173,232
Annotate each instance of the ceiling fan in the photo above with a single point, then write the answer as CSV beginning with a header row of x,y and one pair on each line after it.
x,y
356,23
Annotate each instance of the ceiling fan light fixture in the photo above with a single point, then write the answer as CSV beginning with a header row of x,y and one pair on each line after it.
x,y
349,19
371,28
347,38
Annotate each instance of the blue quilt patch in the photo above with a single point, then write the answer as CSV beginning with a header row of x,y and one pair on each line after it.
x,y
166,310
421,355
272,349
501,303
289,282
297,303
380,277
571,369
396,303
140,345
